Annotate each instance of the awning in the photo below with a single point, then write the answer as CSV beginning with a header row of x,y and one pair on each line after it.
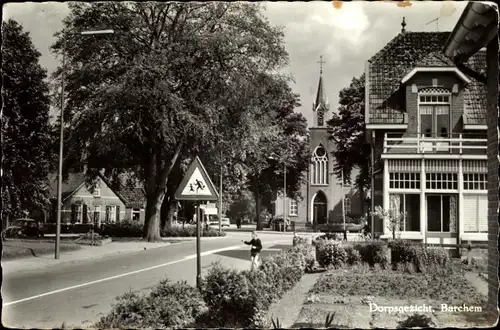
x,y
477,26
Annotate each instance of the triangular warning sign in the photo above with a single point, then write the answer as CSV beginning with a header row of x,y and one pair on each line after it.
x,y
196,184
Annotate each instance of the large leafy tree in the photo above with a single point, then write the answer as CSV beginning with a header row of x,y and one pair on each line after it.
x,y
26,140
162,88
348,131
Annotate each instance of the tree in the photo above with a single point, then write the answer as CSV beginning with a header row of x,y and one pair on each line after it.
x,y
394,218
348,131
159,90
25,125
243,207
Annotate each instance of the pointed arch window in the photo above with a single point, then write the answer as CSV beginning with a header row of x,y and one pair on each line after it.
x,y
319,166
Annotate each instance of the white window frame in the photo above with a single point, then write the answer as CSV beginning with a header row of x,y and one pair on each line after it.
x,y
441,209
477,197
112,214
403,221
293,208
448,181
428,101
470,181
97,191
319,168
97,212
399,180
78,213
138,212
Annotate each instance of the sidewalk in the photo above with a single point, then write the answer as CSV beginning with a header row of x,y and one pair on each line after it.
x,y
86,252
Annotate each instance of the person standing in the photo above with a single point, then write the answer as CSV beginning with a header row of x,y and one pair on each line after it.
x,y
255,250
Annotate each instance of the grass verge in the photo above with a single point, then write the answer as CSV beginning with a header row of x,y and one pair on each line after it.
x,y
15,249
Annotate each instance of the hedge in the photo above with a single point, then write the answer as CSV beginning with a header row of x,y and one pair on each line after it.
x,y
425,259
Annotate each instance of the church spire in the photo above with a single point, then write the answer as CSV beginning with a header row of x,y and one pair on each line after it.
x,y
320,104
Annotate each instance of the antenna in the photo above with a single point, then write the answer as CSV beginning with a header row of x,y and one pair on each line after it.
x,y
434,20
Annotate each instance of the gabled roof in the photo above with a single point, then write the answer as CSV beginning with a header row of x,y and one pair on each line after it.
x,y
131,197
400,56
320,96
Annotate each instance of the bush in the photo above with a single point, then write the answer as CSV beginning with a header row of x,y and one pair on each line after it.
x,y
241,299
189,231
372,252
424,259
416,321
402,251
353,256
331,254
122,229
168,305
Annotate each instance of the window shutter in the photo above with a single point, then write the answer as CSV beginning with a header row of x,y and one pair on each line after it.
x,y
85,218
117,213
73,213
470,214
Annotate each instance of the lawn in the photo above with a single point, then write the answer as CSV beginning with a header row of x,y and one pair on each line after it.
x,y
13,249
350,293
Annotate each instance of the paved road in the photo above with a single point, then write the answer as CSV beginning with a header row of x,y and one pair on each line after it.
x,y
78,293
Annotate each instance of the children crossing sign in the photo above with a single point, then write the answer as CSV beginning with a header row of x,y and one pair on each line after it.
x,y
196,184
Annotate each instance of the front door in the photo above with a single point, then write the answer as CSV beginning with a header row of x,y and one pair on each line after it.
x,y
320,209
442,219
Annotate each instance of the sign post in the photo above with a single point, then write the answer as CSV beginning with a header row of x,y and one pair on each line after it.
x,y
197,186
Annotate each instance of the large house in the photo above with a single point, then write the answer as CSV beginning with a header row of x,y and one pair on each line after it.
x,y
100,203
322,191
478,28
426,122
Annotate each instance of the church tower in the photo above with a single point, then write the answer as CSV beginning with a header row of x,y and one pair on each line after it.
x,y
320,105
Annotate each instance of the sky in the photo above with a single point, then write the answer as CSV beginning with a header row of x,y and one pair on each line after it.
x,y
346,34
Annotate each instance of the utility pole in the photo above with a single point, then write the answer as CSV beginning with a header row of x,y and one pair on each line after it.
x,y
198,246
284,195
220,199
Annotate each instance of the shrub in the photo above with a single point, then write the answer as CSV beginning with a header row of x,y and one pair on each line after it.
x,y
331,254
353,256
189,231
372,252
122,229
168,305
416,320
432,260
402,251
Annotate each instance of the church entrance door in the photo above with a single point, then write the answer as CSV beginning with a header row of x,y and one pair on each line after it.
x,y
320,209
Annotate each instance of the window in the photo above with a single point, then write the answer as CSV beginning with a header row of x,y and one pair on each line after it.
x,y
476,213
475,181
400,180
136,214
409,204
76,213
442,213
347,205
320,118
441,181
97,215
111,213
319,167
97,191
434,109
293,207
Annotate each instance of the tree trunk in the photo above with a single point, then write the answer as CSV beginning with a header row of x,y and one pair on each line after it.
x,y
257,208
167,211
152,223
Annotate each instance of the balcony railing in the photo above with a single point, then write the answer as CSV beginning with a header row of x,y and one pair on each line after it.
x,y
448,144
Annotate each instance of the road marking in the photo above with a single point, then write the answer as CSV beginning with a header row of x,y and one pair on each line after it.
x,y
115,277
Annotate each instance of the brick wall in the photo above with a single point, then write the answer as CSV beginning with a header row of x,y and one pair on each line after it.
x,y
493,187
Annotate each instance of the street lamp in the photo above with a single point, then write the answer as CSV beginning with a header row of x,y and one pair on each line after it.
x,y
61,138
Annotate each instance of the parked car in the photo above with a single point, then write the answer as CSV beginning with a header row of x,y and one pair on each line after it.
x,y
214,221
23,228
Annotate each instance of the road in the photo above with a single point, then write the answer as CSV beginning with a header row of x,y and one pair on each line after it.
x,y
78,293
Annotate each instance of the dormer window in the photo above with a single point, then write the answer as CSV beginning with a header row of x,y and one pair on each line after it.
x,y
434,112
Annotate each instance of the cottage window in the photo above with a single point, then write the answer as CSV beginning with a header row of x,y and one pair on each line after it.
x,y
475,213
434,117
97,191
136,214
319,167
398,180
409,204
475,181
442,213
441,181
293,207
111,213
76,213
97,215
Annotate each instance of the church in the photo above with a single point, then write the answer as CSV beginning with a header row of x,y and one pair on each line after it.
x,y
322,192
